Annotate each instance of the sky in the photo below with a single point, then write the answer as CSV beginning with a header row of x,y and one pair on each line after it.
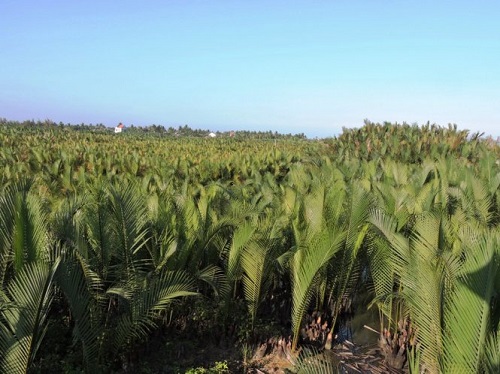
x,y
309,67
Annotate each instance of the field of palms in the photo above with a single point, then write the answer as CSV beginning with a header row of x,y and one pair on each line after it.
x,y
113,246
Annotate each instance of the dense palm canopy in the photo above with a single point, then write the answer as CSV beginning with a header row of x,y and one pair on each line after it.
x,y
124,238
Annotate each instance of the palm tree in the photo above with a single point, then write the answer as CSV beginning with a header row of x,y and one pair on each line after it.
x,y
448,293
115,293
252,259
329,230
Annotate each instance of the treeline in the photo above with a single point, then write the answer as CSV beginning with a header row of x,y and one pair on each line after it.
x,y
158,130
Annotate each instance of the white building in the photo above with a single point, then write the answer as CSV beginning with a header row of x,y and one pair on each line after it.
x,y
119,128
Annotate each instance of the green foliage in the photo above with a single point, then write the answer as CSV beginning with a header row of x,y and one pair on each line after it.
x,y
150,234
217,368
25,304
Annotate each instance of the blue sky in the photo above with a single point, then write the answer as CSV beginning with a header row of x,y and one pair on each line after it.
x,y
287,66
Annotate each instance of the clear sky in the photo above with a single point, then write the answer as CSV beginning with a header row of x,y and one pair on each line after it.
x,y
286,66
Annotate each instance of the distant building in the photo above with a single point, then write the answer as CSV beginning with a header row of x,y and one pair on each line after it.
x,y
119,128
212,135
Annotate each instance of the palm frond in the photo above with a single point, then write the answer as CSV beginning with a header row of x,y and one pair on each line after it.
x,y
145,304
422,280
98,230
82,287
305,265
241,237
23,230
357,228
256,265
467,309
27,298
216,279
491,360
128,215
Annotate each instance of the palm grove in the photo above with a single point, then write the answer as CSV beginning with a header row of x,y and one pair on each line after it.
x,y
117,241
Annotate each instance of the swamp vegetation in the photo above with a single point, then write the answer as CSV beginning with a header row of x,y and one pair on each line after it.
x,y
134,252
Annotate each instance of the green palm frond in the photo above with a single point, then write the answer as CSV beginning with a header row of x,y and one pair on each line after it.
x,y
128,215
215,277
23,320
491,360
382,271
424,198
67,224
257,260
383,267
312,208
422,279
23,227
304,266
253,261
7,217
144,304
199,228
476,199
241,237
387,226
467,308
81,288
416,264
357,228
30,232
98,231
162,243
